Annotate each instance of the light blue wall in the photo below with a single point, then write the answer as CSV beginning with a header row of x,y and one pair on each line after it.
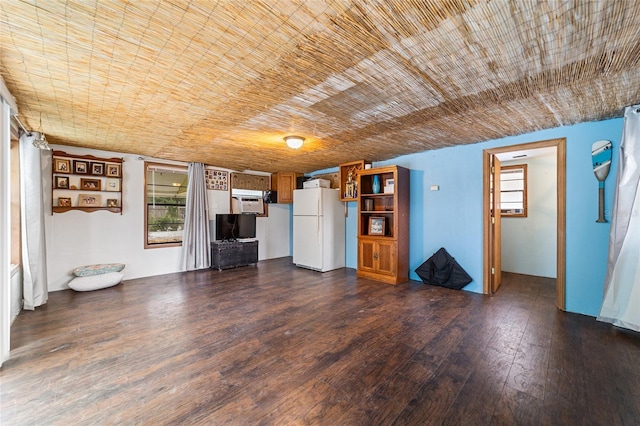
x,y
452,216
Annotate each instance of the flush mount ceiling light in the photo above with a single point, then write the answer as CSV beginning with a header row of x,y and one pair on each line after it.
x,y
294,142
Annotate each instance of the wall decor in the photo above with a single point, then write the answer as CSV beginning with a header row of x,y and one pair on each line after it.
x,y
112,202
348,180
90,177
64,202
217,179
376,226
61,182
113,170
375,185
61,165
90,184
601,161
97,169
89,200
112,185
80,167
249,181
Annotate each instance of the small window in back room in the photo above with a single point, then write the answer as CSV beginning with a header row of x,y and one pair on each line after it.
x,y
166,199
513,191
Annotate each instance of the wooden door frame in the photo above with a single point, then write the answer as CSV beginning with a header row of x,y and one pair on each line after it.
x,y
560,145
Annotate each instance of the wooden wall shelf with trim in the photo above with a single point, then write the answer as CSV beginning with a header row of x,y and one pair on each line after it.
x,y
57,209
101,180
349,191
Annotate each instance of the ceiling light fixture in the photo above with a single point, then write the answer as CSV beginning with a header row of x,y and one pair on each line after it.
x,y
40,141
294,142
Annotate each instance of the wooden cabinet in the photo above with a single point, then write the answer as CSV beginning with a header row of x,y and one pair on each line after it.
x,y
377,257
231,254
383,224
85,183
284,183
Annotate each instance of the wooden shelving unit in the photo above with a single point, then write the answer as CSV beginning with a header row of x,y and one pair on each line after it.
x,y
383,225
349,171
86,183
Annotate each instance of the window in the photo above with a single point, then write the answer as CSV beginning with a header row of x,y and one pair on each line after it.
x,y
166,199
513,191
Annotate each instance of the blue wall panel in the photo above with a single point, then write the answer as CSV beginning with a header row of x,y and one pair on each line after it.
x,y
452,216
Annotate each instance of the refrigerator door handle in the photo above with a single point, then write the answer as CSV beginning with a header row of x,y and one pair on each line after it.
x,y
318,220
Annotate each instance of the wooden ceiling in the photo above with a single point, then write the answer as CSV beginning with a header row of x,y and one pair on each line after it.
x,y
223,82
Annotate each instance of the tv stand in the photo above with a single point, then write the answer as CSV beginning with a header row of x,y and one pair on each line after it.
x,y
231,254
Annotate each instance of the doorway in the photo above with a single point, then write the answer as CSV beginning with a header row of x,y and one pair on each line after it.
x,y
492,222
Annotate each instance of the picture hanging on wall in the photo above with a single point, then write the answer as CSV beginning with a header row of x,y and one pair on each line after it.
x,y
217,179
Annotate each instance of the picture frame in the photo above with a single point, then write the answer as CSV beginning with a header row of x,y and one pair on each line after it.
x,y
376,225
217,179
112,202
97,169
113,170
90,184
80,167
112,185
64,202
61,182
61,165
89,200
388,182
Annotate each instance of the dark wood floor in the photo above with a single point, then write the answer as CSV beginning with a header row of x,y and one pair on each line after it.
x,y
276,344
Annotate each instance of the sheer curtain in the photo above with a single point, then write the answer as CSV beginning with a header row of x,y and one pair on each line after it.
x,y
196,250
34,266
621,304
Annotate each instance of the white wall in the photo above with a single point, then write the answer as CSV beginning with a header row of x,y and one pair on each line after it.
x,y
273,232
77,238
529,244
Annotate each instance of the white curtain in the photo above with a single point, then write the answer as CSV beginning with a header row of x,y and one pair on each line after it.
x,y
621,304
34,265
196,250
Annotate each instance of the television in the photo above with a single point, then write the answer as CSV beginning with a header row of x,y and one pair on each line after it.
x,y
235,226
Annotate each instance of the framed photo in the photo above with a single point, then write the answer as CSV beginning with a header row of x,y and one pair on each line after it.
x,y
217,179
61,182
90,184
376,226
80,167
97,169
64,202
113,170
61,165
113,185
112,202
89,200
388,182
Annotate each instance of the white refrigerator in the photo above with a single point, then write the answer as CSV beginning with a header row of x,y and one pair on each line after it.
x,y
318,229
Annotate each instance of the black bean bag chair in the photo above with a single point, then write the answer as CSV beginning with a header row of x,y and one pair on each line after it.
x,y
441,269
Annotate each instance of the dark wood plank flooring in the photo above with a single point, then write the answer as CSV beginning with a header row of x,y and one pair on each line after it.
x,y
276,344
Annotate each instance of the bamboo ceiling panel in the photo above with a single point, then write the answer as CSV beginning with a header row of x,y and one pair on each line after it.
x,y
223,82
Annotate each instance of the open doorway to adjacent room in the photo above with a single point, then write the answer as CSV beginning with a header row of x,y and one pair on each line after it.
x,y
510,245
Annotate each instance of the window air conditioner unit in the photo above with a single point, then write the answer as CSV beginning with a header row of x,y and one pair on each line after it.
x,y
247,204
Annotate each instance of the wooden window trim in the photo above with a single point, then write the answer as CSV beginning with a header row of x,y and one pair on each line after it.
x,y
525,208
167,166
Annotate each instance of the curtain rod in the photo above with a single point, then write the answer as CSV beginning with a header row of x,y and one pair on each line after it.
x,y
24,129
